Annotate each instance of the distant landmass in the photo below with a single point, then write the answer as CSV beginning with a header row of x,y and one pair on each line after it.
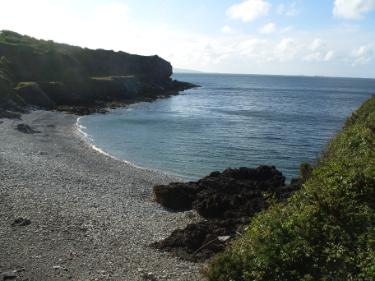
x,y
59,76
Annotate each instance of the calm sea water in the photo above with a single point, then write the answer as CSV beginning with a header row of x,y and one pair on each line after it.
x,y
231,121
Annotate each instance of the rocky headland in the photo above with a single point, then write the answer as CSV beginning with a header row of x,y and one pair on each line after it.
x,y
44,74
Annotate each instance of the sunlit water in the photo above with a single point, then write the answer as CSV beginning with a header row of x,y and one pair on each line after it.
x,y
231,121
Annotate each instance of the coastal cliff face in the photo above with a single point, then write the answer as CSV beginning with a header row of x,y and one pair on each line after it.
x,y
47,74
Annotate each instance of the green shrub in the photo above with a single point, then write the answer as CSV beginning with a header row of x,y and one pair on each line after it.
x,y
305,170
326,231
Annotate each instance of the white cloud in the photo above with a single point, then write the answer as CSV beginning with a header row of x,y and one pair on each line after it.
x,y
226,29
329,55
364,54
316,44
287,49
91,26
315,56
252,47
249,10
289,10
268,28
317,51
352,9
286,29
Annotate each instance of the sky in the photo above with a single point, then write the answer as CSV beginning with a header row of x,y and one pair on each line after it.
x,y
282,37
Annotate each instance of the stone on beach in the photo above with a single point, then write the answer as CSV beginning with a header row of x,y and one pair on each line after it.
x,y
21,222
26,129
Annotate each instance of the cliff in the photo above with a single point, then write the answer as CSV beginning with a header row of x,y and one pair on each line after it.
x,y
325,231
51,75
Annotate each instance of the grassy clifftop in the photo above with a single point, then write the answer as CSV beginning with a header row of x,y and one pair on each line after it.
x,y
326,231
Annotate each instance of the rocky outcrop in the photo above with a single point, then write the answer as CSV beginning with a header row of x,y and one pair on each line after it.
x,y
225,200
32,94
39,60
232,193
53,76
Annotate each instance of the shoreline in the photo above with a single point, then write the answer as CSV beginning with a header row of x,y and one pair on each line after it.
x,y
86,138
90,142
91,215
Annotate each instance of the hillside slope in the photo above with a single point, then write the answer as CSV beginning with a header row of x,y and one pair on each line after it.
x,y
326,231
48,74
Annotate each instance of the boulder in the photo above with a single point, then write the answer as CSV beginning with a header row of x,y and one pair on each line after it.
x,y
227,200
200,241
232,193
32,94
176,196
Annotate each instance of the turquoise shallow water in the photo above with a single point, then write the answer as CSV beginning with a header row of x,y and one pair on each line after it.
x,y
231,121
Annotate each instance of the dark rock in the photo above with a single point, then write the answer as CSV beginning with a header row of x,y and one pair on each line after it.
x,y
176,196
10,114
26,129
227,200
21,222
232,193
200,241
8,275
32,94
237,192
83,81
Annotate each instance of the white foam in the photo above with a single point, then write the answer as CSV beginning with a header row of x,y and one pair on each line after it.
x,y
89,140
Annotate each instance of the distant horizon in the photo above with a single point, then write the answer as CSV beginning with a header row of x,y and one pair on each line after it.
x,y
194,71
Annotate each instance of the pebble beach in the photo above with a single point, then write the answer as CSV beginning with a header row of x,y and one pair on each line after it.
x,y
89,216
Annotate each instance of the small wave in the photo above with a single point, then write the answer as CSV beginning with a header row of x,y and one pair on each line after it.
x,y
89,141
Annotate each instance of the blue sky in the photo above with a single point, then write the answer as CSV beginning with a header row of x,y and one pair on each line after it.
x,y
290,37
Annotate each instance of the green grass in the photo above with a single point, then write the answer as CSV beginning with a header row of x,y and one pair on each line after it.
x,y
21,85
326,231
111,78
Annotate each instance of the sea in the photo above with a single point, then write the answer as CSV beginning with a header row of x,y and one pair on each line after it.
x,y
230,121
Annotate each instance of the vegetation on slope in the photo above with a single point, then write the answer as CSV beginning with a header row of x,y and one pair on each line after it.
x,y
326,231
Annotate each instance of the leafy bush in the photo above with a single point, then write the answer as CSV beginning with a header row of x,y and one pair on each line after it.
x,y
326,231
305,171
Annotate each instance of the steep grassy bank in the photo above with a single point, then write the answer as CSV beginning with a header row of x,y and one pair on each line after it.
x,y
47,74
326,231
